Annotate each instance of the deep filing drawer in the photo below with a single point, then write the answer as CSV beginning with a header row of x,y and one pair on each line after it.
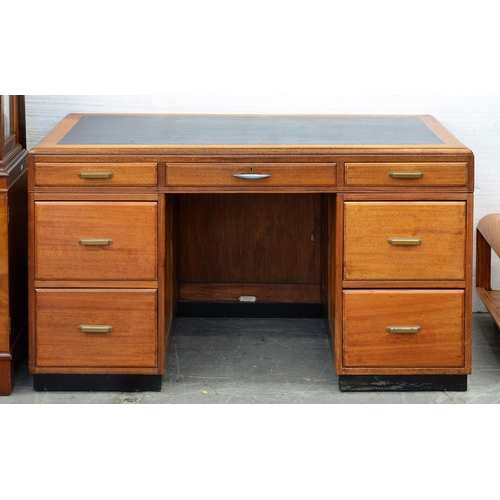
x,y
96,328
96,240
406,175
403,329
404,240
96,174
250,176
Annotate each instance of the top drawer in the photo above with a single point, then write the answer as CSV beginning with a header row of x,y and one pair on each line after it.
x,y
95,174
421,174
253,176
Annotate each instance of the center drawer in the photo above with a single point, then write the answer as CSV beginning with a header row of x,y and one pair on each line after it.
x,y
404,240
96,328
96,240
251,176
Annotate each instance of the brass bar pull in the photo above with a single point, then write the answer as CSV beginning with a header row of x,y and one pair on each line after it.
x,y
404,329
95,175
99,242
406,175
96,328
252,176
404,241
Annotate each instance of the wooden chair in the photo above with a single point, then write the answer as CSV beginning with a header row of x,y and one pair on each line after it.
x,y
488,237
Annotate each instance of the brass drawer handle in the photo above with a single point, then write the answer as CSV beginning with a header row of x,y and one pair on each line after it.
x,y
404,241
95,241
404,329
252,176
95,175
96,328
406,175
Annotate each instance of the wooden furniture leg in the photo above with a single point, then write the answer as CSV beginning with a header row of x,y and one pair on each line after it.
x,y
488,237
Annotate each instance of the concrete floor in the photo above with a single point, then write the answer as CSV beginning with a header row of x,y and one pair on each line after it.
x,y
264,361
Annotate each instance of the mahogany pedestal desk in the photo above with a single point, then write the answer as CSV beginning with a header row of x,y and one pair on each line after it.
x,y
364,220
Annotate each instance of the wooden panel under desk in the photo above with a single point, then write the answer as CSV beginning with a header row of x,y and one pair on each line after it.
x,y
250,238
231,292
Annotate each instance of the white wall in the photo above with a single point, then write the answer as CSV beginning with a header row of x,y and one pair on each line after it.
x,y
474,120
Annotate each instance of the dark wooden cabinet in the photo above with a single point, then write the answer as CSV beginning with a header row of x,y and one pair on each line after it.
x,y
13,236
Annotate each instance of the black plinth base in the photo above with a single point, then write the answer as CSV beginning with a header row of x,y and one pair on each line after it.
x,y
402,383
117,383
249,310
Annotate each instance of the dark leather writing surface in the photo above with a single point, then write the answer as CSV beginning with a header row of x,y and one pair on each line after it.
x,y
249,130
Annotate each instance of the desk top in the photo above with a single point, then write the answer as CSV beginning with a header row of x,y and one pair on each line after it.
x,y
124,132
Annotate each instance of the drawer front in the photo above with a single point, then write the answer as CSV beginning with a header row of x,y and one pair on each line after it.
x,y
251,176
96,174
96,240
426,328
404,240
96,328
406,175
